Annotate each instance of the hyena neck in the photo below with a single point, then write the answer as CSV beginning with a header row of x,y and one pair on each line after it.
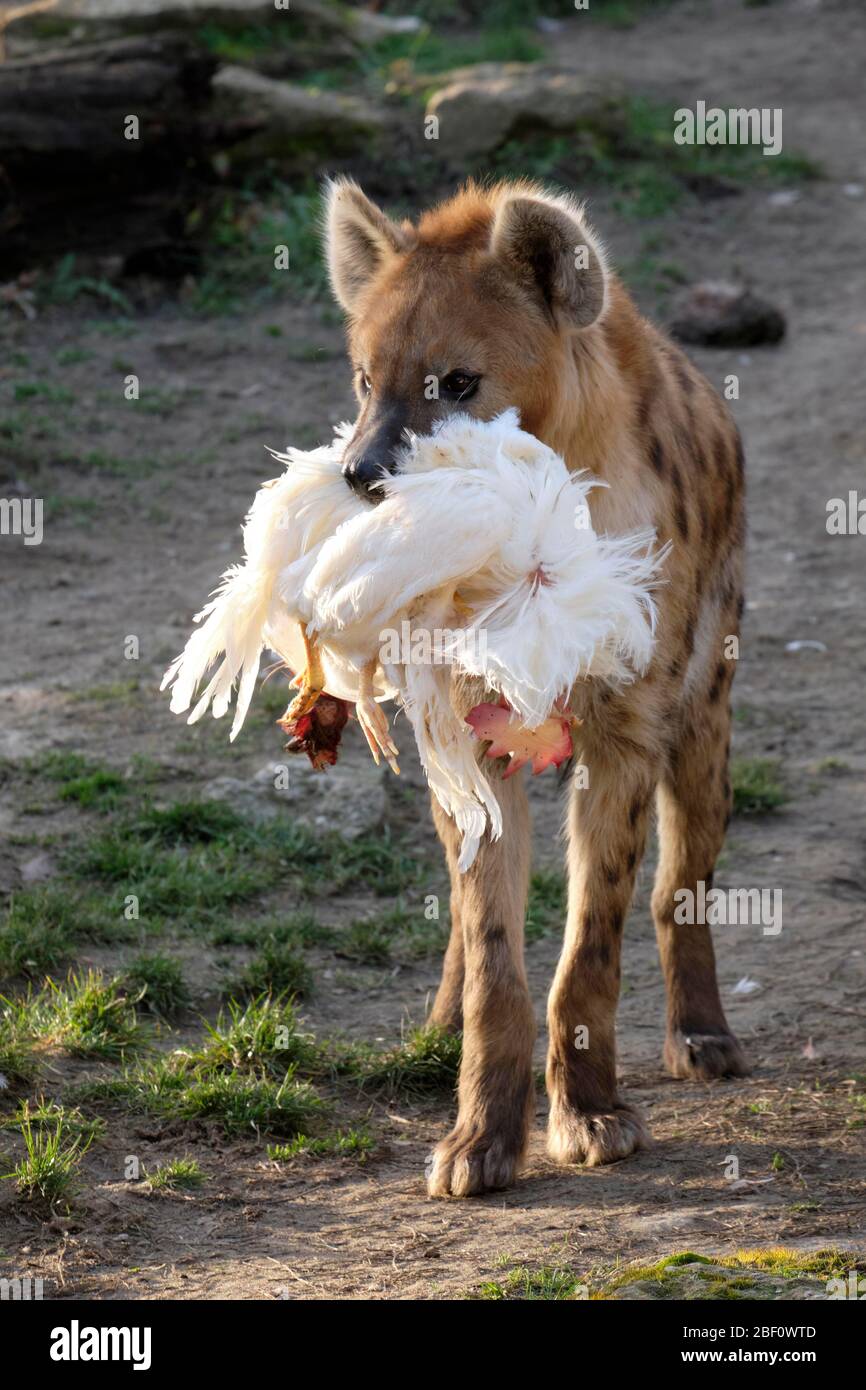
x,y
606,369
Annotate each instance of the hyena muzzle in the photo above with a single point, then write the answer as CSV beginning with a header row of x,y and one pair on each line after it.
x,y
502,297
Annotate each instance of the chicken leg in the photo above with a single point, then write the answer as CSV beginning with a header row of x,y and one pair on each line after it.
x,y
310,682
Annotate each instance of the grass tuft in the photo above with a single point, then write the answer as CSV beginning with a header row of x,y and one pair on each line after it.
x,y
756,785
277,968
49,1169
181,1174
158,982
425,1063
355,1143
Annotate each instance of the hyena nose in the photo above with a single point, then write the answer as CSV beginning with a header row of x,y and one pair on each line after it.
x,y
371,456
362,472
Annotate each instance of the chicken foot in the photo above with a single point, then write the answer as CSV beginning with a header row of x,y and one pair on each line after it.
x,y
373,719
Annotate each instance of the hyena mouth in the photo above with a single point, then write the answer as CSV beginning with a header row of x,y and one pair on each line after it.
x,y
374,455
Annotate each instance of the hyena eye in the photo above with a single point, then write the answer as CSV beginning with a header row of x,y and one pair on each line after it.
x,y
460,385
366,383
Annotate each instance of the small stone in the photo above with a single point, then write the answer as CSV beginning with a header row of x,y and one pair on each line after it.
x,y
348,798
718,314
784,198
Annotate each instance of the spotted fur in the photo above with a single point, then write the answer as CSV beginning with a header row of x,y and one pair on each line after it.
x,y
490,282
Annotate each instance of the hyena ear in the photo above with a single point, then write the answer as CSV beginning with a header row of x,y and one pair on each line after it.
x,y
553,252
358,239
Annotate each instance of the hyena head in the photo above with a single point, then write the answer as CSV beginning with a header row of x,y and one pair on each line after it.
x,y
475,308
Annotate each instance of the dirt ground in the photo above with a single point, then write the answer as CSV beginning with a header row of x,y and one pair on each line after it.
x,y
134,552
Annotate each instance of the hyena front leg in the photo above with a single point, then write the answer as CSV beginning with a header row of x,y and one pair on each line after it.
x,y
447,1011
495,1091
607,827
694,803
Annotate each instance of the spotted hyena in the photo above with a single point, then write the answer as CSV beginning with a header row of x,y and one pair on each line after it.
x,y
504,297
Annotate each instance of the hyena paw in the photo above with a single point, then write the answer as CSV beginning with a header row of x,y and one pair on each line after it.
x,y
592,1137
469,1162
704,1056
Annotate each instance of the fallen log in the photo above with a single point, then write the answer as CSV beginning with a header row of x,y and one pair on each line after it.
x,y
88,131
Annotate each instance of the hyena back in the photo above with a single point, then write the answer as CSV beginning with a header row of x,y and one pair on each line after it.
x,y
502,296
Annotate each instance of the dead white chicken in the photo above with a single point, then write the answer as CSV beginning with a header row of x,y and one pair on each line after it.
x,y
481,538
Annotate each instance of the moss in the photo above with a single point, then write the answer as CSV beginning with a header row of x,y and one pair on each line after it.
x,y
779,1261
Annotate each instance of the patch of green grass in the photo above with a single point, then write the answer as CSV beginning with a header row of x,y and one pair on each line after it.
x,y
548,900
94,1017
756,785
623,14
646,273
185,862
175,1088
118,327
355,1143
76,509
49,1112
43,924
437,50
48,1172
240,1103
367,941
43,391
241,45
159,401
65,284
18,1065
189,823
78,777
417,936
544,1284
36,934
278,968
189,881
832,767
118,466
240,254
70,357
103,789
261,1036
12,427
425,1063
244,1075
123,692
487,14
294,929
157,981
180,1175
